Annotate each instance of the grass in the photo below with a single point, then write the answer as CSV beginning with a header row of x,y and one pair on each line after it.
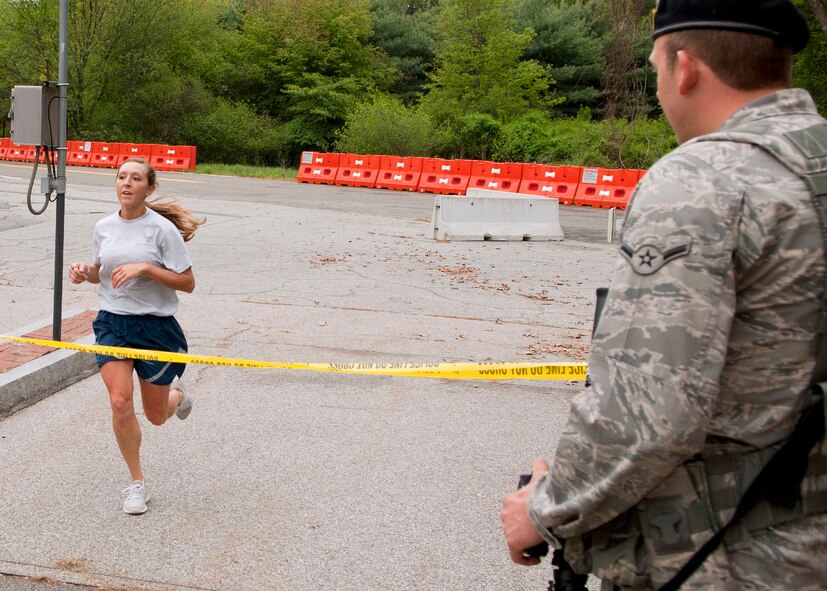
x,y
257,172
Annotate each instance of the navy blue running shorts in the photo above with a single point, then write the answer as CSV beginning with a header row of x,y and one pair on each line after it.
x,y
158,333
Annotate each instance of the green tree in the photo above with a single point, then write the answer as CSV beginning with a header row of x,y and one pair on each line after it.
x,y
406,34
306,62
570,39
28,38
811,62
628,80
480,66
318,108
163,83
132,63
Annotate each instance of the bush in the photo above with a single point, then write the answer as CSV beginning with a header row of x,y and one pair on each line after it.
x,y
561,141
232,133
613,143
526,139
477,134
386,126
639,143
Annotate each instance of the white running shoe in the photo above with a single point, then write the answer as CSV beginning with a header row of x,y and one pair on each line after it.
x,y
182,411
137,495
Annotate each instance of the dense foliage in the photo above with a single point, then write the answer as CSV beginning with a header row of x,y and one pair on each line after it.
x,y
258,81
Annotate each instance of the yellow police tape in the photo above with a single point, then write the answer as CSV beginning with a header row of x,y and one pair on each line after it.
x,y
467,371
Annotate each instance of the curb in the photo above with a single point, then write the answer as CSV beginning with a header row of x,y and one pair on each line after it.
x,y
35,380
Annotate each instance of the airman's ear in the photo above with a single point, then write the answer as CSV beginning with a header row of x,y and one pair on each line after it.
x,y
687,71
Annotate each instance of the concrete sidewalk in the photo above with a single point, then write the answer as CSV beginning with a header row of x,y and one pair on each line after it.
x,y
300,480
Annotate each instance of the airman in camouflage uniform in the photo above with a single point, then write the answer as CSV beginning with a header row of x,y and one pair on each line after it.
x,y
707,343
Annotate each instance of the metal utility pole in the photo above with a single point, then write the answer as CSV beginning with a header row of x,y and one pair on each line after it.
x,y
62,84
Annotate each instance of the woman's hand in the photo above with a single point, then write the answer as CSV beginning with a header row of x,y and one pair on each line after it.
x,y
121,275
178,281
78,272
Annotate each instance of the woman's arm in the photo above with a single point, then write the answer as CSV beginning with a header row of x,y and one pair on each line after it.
x,y
184,281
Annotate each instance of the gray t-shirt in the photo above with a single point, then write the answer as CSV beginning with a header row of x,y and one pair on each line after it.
x,y
151,239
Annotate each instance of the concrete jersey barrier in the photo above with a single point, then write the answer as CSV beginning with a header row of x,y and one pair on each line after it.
x,y
495,215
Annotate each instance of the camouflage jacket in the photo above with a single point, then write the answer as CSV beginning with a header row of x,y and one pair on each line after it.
x,y
706,343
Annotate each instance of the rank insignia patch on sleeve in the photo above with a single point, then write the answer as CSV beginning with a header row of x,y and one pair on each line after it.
x,y
648,258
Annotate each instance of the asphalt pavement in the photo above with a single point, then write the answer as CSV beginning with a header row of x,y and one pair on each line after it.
x,y
291,479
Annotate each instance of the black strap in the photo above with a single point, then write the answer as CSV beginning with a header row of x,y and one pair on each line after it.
x,y
779,482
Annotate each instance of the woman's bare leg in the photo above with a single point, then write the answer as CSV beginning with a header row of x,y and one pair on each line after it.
x,y
117,375
160,402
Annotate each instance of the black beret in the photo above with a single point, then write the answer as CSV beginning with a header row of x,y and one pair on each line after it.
x,y
777,19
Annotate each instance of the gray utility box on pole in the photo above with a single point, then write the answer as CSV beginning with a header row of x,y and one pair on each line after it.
x,y
34,113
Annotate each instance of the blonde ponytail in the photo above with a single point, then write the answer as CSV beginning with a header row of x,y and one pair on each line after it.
x,y
177,214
